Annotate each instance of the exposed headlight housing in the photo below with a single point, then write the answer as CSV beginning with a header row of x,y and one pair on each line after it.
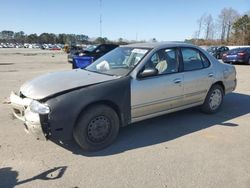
x,y
81,54
39,108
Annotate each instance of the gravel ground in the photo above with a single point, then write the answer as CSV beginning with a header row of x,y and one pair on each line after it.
x,y
183,149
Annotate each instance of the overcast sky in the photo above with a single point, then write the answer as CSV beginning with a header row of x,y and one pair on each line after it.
x,y
165,20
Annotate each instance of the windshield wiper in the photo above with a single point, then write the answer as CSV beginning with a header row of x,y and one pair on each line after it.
x,y
100,72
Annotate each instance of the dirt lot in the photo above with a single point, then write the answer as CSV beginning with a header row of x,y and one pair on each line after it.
x,y
183,149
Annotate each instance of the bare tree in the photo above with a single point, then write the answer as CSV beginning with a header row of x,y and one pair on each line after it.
x,y
200,22
226,19
222,20
232,16
208,27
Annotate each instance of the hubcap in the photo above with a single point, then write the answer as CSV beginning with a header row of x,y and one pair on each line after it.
x,y
215,99
98,129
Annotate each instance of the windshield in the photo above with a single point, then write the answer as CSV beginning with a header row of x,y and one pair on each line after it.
x,y
91,48
119,61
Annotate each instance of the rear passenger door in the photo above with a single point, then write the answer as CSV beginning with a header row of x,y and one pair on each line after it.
x,y
198,75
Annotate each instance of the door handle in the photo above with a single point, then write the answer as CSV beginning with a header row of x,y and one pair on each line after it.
x,y
211,74
177,80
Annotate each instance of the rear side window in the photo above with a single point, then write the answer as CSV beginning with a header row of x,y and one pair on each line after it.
x,y
205,61
193,59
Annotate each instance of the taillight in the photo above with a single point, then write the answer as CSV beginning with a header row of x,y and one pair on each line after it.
x,y
241,53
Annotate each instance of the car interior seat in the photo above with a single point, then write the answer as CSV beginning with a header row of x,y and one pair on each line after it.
x,y
162,65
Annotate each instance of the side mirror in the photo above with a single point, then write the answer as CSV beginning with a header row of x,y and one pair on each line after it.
x,y
148,72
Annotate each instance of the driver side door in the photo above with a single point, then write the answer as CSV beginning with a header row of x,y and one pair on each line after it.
x,y
155,95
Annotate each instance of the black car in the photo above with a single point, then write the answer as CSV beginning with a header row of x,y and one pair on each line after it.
x,y
217,51
74,50
94,51
241,55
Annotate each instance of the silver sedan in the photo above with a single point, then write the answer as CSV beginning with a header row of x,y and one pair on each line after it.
x,y
129,84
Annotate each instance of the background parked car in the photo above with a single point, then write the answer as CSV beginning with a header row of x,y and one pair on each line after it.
x,y
241,55
93,52
74,50
217,51
55,47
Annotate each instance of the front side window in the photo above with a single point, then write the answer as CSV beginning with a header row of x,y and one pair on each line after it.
x,y
119,61
165,61
193,59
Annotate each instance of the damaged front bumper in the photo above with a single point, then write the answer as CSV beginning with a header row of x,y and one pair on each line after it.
x,y
21,110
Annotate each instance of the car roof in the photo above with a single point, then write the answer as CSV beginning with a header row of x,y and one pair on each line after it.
x,y
240,49
108,44
159,45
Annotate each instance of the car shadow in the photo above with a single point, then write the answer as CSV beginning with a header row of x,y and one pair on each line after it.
x,y
9,177
239,63
171,126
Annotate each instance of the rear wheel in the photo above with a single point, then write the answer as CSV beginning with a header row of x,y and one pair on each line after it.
x,y
97,128
213,100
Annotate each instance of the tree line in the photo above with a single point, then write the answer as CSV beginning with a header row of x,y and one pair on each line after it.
x,y
7,36
44,38
229,28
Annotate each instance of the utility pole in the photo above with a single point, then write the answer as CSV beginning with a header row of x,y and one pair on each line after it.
x,y
100,18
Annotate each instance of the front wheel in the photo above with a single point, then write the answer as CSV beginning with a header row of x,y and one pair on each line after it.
x,y
97,128
213,100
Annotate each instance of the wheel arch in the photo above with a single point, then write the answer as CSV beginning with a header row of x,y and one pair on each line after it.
x,y
220,83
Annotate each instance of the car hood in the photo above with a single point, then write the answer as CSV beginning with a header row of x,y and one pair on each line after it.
x,y
53,83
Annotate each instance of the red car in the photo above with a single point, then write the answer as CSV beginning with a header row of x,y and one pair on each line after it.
x,y
55,47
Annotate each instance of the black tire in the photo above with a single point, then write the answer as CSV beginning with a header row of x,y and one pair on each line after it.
x,y
208,106
97,128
